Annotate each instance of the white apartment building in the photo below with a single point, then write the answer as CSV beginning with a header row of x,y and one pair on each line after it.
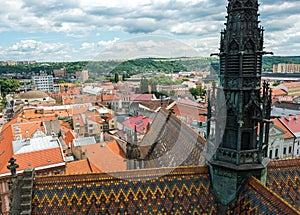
x,y
43,83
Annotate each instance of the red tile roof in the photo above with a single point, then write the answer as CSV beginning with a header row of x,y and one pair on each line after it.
x,y
292,123
27,129
291,84
279,124
6,149
104,158
37,159
279,92
110,97
138,122
78,167
141,97
69,137
190,102
190,113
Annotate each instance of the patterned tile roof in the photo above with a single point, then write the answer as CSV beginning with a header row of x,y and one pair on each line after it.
x,y
156,191
255,198
284,179
170,142
183,190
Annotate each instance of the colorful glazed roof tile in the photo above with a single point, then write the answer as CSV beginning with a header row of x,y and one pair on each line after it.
x,y
284,179
183,190
165,191
255,198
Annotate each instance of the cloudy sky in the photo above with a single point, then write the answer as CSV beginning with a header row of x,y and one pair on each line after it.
x,y
69,30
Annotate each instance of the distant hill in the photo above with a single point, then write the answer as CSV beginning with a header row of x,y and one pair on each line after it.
x,y
168,65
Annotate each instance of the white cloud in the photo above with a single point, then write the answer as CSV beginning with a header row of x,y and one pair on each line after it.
x,y
198,20
142,47
109,43
36,50
86,45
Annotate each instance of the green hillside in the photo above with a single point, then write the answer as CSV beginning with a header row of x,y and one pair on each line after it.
x,y
108,68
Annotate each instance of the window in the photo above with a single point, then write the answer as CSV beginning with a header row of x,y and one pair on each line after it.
x,y
276,153
284,150
270,155
290,150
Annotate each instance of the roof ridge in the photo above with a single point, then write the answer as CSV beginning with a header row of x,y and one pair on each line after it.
x,y
287,162
259,186
129,174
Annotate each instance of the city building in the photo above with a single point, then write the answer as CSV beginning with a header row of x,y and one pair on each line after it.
x,y
226,173
43,83
281,141
82,76
60,73
286,68
292,124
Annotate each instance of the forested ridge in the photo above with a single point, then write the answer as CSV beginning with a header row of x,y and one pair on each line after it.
x,y
144,65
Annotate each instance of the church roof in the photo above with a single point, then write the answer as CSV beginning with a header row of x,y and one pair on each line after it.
x,y
170,142
284,179
184,190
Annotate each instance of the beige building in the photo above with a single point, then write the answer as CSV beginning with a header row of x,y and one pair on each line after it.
x,y
286,68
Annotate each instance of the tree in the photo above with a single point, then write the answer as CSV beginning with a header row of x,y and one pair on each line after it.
x,y
144,85
8,85
275,84
116,79
124,76
198,91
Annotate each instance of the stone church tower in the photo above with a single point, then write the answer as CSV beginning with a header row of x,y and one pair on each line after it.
x,y
239,150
